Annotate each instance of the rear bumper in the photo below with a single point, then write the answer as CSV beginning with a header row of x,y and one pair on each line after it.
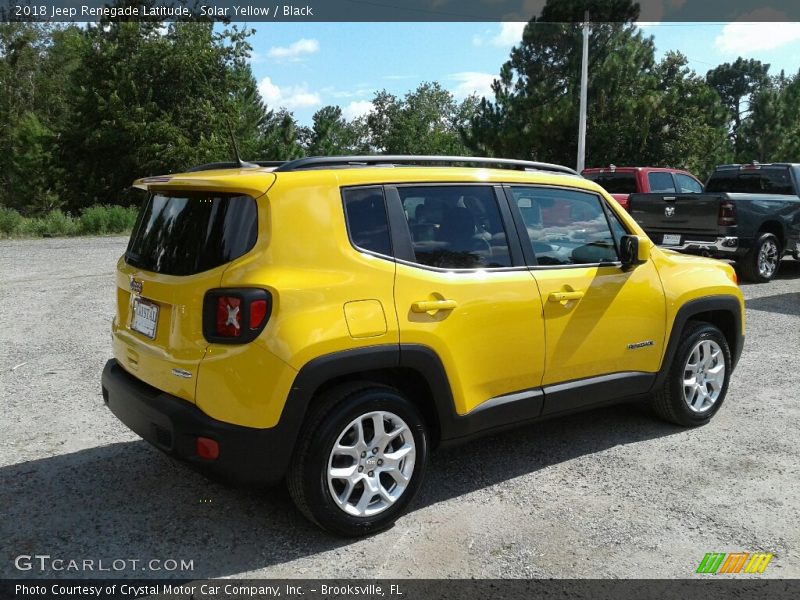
x,y
718,247
246,455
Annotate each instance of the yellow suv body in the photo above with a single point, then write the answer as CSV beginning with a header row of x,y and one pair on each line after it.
x,y
330,320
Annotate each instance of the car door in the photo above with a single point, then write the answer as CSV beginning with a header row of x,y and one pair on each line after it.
x,y
604,325
462,291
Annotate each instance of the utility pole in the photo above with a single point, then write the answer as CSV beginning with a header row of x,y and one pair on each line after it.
x,y
584,84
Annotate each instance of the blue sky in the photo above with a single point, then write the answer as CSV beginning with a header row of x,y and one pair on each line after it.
x,y
305,66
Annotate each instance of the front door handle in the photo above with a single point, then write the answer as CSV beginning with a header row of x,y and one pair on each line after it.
x,y
564,296
423,306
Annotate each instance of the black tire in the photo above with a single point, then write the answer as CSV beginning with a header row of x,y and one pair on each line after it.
x,y
750,264
669,401
307,478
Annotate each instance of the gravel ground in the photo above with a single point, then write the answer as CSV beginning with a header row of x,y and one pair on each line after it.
x,y
610,493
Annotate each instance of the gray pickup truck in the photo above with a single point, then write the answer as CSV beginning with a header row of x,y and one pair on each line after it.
x,y
747,213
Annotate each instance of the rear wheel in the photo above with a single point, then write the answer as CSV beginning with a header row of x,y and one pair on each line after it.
x,y
697,381
360,459
761,263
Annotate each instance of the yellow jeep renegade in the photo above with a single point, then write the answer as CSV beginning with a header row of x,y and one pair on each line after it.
x,y
331,320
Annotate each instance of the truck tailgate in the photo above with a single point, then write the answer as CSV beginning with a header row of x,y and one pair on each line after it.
x,y
676,213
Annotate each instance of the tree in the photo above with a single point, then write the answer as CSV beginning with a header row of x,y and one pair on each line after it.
x,y
427,121
534,113
736,83
331,134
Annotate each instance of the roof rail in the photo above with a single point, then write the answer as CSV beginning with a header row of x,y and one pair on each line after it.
x,y
327,162
235,165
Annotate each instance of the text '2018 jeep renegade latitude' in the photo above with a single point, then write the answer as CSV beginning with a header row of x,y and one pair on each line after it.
x,y
331,320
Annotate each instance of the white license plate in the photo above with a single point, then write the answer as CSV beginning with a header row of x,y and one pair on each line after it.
x,y
145,317
671,239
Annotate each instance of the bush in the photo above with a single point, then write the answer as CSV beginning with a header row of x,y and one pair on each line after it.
x,y
107,219
10,221
95,220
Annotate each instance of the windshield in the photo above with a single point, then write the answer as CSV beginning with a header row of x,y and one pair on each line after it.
x,y
186,233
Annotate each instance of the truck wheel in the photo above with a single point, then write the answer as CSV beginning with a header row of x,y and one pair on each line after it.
x,y
761,263
360,459
697,380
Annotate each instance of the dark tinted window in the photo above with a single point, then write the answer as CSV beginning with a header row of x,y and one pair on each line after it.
x,y
615,183
688,185
455,226
566,227
751,181
661,182
365,212
188,233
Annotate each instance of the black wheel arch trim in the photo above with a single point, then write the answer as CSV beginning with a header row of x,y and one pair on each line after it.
x,y
716,304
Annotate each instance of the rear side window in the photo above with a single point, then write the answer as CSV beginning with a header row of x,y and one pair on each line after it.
x,y
455,226
566,227
688,185
615,183
755,181
661,182
187,233
367,224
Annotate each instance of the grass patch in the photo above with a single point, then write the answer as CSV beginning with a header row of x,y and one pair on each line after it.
x,y
95,220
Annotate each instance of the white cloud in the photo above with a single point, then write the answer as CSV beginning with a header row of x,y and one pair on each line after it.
x,y
357,108
471,82
755,32
290,97
509,35
295,51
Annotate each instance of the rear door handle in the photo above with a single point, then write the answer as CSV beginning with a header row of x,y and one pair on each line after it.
x,y
564,296
431,305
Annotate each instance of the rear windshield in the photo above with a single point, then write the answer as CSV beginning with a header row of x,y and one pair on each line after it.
x,y
615,183
755,181
186,233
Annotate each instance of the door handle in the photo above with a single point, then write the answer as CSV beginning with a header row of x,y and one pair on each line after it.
x,y
423,306
564,296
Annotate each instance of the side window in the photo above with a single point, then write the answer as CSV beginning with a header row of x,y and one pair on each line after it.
x,y
566,227
365,213
688,185
455,226
661,182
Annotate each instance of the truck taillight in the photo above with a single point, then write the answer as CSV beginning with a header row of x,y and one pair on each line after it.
x,y
235,316
727,213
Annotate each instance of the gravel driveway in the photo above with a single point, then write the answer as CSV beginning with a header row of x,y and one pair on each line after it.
x,y
610,493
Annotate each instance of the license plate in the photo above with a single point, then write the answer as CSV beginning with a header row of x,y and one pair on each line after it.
x,y
672,239
145,317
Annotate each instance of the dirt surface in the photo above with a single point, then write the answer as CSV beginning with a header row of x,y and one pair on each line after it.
x,y
610,493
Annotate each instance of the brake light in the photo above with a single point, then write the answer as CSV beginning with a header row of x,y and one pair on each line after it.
x,y
229,316
258,311
235,316
727,213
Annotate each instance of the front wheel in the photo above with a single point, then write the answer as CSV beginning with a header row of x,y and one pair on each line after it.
x,y
761,263
360,459
696,384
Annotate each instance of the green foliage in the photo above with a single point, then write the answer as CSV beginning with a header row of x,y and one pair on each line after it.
x,y
107,219
427,121
10,221
333,135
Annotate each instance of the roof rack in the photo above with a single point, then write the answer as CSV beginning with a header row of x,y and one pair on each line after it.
x,y
327,162
235,165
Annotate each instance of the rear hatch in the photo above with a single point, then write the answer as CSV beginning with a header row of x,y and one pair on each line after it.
x,y
671,214
179,249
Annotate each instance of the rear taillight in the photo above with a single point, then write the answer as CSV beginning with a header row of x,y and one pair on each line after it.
x,y
727,213
235,316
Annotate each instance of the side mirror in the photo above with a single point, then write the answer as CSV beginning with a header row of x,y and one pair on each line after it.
x,y
633,250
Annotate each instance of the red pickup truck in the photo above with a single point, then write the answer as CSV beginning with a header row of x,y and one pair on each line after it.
x,y
621,182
